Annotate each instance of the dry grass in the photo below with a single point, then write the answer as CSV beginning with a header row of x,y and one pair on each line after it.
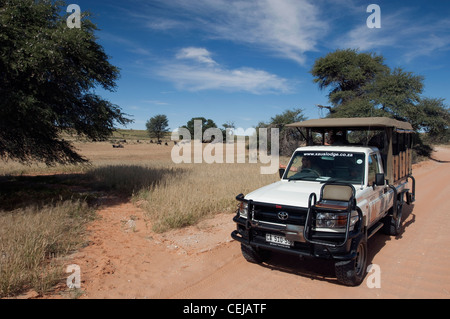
x,y
199,190
32,242
174,195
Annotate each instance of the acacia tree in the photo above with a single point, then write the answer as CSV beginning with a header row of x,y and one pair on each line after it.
x,y
348,74
48,74
361,85
157,126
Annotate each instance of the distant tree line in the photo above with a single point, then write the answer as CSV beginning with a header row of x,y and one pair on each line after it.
x,y
158,125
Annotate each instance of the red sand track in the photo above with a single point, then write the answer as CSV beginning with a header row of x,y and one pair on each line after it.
x,y
125,259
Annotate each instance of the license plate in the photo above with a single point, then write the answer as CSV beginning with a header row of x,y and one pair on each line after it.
x,y
278,240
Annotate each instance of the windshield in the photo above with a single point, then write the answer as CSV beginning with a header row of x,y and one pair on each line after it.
x,y
325,166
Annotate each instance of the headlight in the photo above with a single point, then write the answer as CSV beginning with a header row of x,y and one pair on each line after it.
x,y
335,220
243,209
330,220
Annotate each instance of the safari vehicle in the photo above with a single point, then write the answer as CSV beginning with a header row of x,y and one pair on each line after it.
x,y
332,198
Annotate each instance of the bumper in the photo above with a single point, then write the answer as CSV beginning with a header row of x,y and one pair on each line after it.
x,y
254,234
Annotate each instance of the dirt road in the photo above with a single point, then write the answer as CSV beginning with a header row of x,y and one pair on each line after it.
x,y
125,259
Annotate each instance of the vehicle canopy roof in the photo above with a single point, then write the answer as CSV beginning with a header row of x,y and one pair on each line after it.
x,y
394,144
354,123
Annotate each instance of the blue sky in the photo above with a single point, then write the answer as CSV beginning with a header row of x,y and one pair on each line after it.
x,y
247,61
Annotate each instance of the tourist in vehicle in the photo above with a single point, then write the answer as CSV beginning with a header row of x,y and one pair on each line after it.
x,y
308,165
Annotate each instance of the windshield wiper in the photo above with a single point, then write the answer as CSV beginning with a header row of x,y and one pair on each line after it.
x,y
306,178
294,179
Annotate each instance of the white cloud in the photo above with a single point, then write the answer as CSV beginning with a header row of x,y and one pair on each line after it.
x,y
164,24
412,36
155,102
128,44
197,54
365,39
286,28
201,72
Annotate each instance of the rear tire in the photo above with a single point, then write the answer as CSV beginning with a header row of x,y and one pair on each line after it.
x,y
352,272
392,227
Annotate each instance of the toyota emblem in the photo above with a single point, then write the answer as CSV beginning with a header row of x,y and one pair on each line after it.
x,y
283,215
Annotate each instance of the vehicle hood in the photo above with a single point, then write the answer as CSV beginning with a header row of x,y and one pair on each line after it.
x,y
291,193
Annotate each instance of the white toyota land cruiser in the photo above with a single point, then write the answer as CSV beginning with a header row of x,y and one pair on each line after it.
x,y
332,199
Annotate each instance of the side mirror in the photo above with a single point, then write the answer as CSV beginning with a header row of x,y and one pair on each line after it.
x,y
281,172
379,179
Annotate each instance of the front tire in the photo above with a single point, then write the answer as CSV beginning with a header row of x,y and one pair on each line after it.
x,y
352,272
252,255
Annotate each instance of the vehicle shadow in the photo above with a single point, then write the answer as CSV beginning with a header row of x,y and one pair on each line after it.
x,y
379,240
312,268
323,269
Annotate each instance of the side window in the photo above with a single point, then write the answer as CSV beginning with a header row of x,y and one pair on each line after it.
x,y
373,168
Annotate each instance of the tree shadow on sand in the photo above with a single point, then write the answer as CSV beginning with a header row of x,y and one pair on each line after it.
x,y
118,181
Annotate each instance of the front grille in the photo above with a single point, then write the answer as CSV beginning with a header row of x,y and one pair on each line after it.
x,y
270,213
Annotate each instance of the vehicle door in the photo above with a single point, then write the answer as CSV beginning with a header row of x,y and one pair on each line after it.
x,y
379,199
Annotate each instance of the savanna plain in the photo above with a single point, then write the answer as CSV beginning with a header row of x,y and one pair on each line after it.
x,y
140,226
